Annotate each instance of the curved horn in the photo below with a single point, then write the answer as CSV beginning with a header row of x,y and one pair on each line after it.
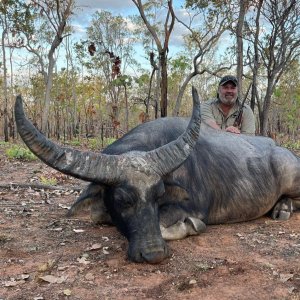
x,y
84,165
169,157
102,168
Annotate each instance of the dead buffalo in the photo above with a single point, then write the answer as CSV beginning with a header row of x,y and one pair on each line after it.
x,y
162,181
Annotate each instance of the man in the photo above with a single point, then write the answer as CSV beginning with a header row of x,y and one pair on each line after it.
x,y
220,113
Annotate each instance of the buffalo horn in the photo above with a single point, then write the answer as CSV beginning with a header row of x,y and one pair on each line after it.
x,y
103,168
169,157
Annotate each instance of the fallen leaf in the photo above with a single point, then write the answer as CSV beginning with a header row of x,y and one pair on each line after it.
x,y
83,260
89,276
49,278
78,230
53,279
57,229
105,250
25,276
94,247
64,206
67,292
48,265
10,283
192,282
285,277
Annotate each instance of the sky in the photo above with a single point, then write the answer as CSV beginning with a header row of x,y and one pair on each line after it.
x,y
125,8
83,15
86,9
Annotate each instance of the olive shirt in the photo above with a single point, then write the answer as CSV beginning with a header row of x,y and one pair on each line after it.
x,y
210,111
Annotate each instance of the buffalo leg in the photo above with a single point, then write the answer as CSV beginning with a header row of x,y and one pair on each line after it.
x,y
182,229
283,209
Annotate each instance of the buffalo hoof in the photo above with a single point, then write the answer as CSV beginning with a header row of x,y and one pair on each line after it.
x,y
282,210
182,229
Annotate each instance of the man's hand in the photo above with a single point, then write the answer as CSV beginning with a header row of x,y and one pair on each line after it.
x,y
233,129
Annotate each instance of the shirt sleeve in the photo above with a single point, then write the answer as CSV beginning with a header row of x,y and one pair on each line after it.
x,y
206,111
248,121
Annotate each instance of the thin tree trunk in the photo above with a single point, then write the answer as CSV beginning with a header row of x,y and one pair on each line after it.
x,y
5,93
180,94
163,85
126,108
254,94
266,108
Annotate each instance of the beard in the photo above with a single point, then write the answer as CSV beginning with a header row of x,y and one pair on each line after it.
x,y
228,99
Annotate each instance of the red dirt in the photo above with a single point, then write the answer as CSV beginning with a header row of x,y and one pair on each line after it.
x,y
254,260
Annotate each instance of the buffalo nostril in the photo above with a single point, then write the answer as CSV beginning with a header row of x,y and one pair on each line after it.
x,y
157,256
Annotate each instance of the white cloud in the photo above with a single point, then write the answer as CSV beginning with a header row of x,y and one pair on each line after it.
x,y
115,5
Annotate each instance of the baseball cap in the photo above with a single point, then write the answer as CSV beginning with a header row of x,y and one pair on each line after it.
x,y
228,78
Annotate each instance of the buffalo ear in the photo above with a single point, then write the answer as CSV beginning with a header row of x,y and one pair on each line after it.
x,y
173,205
174,192
92,197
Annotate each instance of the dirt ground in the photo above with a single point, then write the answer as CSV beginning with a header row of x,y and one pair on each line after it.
x,y
44,255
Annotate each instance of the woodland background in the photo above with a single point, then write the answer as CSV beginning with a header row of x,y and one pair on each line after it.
x,y
96,89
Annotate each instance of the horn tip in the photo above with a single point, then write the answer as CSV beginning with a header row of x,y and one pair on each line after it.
x,y
19,100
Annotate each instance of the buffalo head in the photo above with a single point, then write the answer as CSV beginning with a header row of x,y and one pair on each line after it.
x,y
132,182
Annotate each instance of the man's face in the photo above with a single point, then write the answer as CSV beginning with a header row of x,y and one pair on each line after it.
x,y
228,93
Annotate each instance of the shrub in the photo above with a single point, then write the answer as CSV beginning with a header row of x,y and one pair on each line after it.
x,y
48,180
18,152
294,145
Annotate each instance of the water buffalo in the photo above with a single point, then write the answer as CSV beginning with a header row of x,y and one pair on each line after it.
x,y
163,180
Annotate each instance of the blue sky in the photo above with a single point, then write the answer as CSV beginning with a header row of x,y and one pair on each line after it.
x,y
118,7
86,8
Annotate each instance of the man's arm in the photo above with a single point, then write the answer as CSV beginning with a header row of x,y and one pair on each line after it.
x,y
207,115
208,118
248,121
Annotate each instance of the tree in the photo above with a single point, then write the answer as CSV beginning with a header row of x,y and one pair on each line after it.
x,y
43,39
212,20
162,48
278,46
112,42
4,24
239,37
12,13
254,62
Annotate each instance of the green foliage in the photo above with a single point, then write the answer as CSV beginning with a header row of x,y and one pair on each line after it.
x,y
17,152
4,144
75,143
294,145
96,143
48,180
123,80
142,80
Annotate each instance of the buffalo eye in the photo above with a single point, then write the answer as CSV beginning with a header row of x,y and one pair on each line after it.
x,y
124,198
160,189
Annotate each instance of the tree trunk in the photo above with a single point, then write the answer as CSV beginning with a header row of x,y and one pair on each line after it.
x,y
157,90
254,94
5,93
180,94
266,108
49,83
239,36
163,85
126,108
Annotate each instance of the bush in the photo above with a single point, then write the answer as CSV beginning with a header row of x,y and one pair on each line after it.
x,y
18,152
48,180
294,145
95,144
